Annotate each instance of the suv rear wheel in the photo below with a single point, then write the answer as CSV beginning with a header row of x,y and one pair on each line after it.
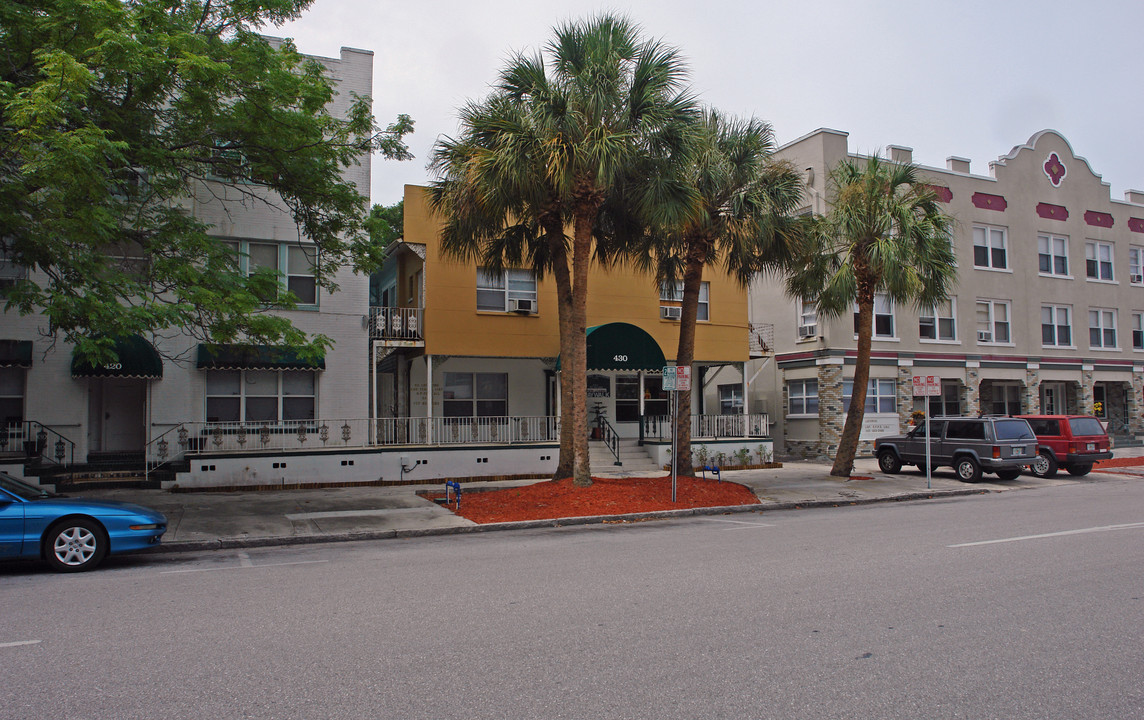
x,y
889,462
1008,474
1079,470
1045,466
968,469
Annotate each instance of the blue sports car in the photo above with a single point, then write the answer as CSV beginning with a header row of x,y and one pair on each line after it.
x,y
71,534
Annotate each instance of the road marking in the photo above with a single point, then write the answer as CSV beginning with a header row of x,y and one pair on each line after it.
x,y
242,566
353,513
1102,528
19,643
740,522
244,560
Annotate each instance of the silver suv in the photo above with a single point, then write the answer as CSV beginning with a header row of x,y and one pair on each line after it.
x,y
1001,445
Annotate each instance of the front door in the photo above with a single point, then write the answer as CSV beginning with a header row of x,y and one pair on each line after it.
x,y
1052,398
118,412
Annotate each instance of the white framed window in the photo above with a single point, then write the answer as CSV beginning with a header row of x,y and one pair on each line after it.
x,y
1053,255
260,396
10,272
1006,399
510,290
294,263
881,395
1056,326
731,399
11,396
475,395
1136,264
1098,261
1102,328
671,296
990,247
1138,331
802,397
947,404
807,319
993,322
883,317
938,323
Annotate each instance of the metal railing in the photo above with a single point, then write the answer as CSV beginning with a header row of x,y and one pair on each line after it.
x,y
462,430
35,440
760,339
391,323
658,427
610,437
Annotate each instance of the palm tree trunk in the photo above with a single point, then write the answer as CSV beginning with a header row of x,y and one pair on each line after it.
x,y
577,366
852,430
685,353
567,333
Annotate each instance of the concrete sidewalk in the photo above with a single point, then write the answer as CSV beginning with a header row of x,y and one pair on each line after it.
x,y
212,520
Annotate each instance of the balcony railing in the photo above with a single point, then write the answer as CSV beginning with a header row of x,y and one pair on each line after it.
x,y
459,431
396,324
710,427
760,339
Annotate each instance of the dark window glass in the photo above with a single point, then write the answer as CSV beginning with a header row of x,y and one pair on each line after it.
x,y
1086,426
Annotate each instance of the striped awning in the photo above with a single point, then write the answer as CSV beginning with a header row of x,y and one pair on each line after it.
x,y
134,358
254,357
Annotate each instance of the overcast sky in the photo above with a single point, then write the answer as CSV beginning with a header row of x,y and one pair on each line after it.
x,y
969,78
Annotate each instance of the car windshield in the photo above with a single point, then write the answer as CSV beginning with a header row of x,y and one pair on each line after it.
x,y
1013,430
22,490
1085,426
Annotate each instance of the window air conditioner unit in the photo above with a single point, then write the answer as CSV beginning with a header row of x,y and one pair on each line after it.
x,y
807,331
1136,279
670,312
984,336
522,305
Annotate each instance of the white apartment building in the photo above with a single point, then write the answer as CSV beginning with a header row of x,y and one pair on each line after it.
x,y
119,410
1047,315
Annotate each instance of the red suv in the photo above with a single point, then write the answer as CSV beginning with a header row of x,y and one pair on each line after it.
x,y
1072,442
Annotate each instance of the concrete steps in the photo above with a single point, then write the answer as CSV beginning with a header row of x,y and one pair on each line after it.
x,y
633,458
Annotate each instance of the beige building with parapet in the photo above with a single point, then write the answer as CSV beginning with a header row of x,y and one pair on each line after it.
x,y
1047,315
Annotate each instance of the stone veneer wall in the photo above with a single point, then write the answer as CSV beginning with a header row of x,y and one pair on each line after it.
x,y
1086,398
1135,395
830,415
1032,400
971,393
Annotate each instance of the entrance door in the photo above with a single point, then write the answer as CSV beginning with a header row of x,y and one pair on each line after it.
x,y
1052,398
118,414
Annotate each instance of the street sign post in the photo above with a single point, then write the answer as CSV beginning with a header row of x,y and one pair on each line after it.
x,y
670,380
927,386
676,379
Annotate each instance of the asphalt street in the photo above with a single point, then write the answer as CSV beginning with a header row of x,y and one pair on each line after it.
x,y
1006,605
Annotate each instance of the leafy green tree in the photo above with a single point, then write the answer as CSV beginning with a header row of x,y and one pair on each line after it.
x,y
599,100
886,233
119,115
385,223
741,220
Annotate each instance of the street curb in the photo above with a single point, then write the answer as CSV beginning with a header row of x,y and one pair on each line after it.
x,y
228,543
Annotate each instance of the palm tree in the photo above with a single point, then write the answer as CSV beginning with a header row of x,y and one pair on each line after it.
x,y
501,211
885,233
741,218
598,101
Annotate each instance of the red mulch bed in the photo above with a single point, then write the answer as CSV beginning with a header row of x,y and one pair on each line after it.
x,y
1119,462
607,496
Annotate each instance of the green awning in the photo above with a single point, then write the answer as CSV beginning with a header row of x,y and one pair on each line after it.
x,y
135,358
254,357
16,353
622,346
